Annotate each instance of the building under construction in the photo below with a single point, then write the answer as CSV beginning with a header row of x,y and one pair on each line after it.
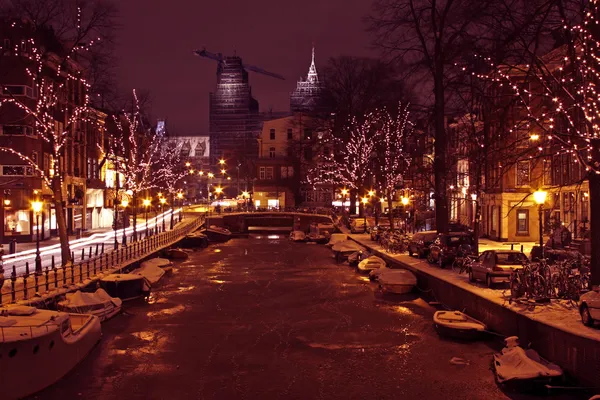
x,y
234,118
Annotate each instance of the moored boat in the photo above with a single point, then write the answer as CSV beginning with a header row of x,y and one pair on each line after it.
x,y
217,234
39,347
344,249
151,271
458,325
176,254
370,263
514,364
337,238
163,263
398,281
317,238
194,239
125,286
297,236
98,303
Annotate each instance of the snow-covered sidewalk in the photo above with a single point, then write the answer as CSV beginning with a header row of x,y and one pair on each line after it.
x,y
559,314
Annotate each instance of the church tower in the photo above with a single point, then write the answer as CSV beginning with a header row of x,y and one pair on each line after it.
x,y
306,96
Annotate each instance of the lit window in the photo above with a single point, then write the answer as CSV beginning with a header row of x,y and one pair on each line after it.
x,y
523,222
523,173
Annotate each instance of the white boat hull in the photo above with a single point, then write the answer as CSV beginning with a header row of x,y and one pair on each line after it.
x,y
28,371
396,288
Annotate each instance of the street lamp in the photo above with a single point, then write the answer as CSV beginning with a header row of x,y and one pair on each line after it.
x,y
404,200
146,203
365,201
540,198
221,162
37,209
162,210
180,197
124,204
344,192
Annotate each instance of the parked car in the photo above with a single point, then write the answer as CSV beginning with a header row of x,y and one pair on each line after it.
x,y
495,266
445,247
420,242
589,307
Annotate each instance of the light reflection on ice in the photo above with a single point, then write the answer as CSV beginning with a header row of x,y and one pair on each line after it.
x,y
167,311
403,310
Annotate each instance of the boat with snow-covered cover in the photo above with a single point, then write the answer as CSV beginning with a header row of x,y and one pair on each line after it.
x,y
398,281
39,347
126,286
98,303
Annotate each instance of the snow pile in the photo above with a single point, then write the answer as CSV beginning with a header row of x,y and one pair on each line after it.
x,y
346,246
397,277
371,263
514,363
157,262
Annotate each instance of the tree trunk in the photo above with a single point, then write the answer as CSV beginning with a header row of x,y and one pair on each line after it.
x,y
439,162
61,222
134,207
594,181
352,206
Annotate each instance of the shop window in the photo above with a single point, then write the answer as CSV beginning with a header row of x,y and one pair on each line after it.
x,y
17,222
522,222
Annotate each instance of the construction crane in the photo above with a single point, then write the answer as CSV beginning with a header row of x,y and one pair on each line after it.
x,y
218,57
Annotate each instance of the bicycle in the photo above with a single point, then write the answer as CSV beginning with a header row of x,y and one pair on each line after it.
x,y
462,264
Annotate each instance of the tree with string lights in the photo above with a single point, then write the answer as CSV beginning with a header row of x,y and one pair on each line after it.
x,y
170,170
392,160
137,151
52,109
559,96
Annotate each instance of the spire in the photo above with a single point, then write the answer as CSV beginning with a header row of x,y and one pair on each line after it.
x,y
312,71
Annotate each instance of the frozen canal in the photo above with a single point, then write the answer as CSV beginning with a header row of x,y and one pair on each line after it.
x,y
263,318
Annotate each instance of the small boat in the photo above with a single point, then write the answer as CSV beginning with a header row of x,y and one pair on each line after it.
x,y
398,281
125,286
458,325
176,254
376,273
317,238
217,234
514,364
344,249
194,240
356,257
297,236
98,303
150,270
326,228
370,263
39,347
337,238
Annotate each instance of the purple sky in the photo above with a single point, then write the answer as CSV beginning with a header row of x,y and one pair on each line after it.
x,y
157,38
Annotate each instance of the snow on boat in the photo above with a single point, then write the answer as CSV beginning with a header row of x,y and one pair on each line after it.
x,y
98,303
150,270
376,273
356,257
163,263
297,236
337,238
326,228
458,325
398,281
194,239
125,286
514,364
347,246
176,254
317,238
39,347
371,263
217,234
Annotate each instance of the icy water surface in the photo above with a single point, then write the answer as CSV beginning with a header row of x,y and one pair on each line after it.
x,y
263,318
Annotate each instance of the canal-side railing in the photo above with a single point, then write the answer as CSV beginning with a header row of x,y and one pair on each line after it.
x,y
57,280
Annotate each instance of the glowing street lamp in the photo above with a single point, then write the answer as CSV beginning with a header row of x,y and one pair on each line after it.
x,y
371,193
404,201
180,197
540,198
223,171
211,175
146,203
124,204
365,200
37,209
163,201
188,164
221,162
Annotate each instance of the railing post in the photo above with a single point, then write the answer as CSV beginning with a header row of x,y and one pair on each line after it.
x,y
13,280
55,276
73,256
80,272
36,282
90,253
106,263
97,246
25,280
88,266
82,253
102,248
72,273
47,281
95,266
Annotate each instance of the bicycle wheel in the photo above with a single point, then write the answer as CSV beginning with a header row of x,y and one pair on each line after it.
x,y
457,265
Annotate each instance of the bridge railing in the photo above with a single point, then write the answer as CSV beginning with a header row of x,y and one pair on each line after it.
x,y
57,280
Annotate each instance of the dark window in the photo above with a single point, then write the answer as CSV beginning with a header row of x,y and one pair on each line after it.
x,y
522,222
272,152
272,134
307,133
269,173
308,154
15,90
290,134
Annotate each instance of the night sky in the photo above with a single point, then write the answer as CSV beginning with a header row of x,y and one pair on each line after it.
x,y
157,37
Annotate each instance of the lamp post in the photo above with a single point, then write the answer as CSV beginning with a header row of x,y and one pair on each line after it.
x,y
124,204
146,203
172,212
37,209
163,201
180,197
365,201
405,202
344,192
540,198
